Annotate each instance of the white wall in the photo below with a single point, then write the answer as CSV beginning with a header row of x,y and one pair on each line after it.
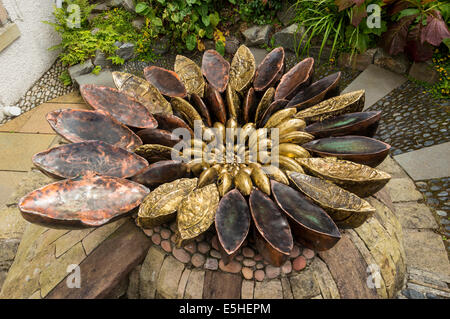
x,y
24,61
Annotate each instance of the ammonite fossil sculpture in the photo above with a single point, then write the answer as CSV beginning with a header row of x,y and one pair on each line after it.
x,y
246,167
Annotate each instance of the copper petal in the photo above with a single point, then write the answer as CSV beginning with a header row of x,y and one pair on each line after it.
x,y
75,159
216,70
122,107
269,70
358,123
166,81
160,173
249,105
232,221
264,104
144,92
84,125
270,222
216,104
295,79
273,108
200,106
88,201
310,224
358,149
170,122
158,136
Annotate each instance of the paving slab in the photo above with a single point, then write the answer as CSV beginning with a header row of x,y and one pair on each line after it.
x,y
8,184
377,82
426,163
403,190
104,78
259,54
17,149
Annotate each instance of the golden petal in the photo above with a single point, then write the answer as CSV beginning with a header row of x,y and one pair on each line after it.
x,y
265,102
296,137
291,125
280,116
292,150
161,204
143,91
243,182
243,67
190,74
155,152
196,212
234,104
186,110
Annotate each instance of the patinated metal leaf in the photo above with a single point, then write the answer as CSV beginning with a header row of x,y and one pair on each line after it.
x,y
183,107
273,108
200,106
216,70
160,173
358,149
264,104
84,125
122,107
295,79
71,160
85,201
346,209
249,105
359,179
311,226
216,104
232,221
242,69
144,92
155,152
160,206
272,225
234,104
325,88
270,70
196,212
170,122
166,81
158,136
345,103
358,123
190,74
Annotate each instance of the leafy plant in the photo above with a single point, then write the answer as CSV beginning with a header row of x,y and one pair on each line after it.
x,y
417,26
96,70
257,11
65,78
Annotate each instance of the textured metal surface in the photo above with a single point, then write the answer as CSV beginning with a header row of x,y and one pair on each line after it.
x,y
83,125
216,70
273,108
201,108
216,104
264,104
188,112
158,136
295,79
190,74
269,70
242,70
75,159
160,173
88,201
249,105
170,122
166,81
122,107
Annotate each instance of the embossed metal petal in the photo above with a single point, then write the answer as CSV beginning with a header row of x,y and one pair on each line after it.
x,y
162,203
71,160
263,105
155,152
84,125
242,69
310,224
122,107
190,74
232,221
187,110
166,81
88,201
196,212
216,70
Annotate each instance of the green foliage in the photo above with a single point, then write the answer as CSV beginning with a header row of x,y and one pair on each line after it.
x,y
441,62
96,70
65,78
257,11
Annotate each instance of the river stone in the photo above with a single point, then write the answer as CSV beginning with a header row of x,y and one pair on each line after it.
x,y
289,38
398,64
257,35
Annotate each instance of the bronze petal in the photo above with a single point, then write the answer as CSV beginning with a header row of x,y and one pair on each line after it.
x,y
359,179
158,136
187,110
216,70
160,173
75,159
232,221
155,152
271,224
84,125
234,104
269,70
249,105
325,88
166,81
242,69
144,92
263,105
216,104
310,224
200,106
274,107
346,209
345,103
160,206
122,107
358,149
87,201
295,79
358,123
170,122
190,74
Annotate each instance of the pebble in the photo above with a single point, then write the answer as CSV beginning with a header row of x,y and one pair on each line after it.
x,y
182,255
299,263
191,247
214,253
259,275
198,260
156,239
211,264
165,244
148,232
248,252
308,253
203,247
258,258
173,238
441,213
165,233
200,238
215,243
259,266
232,267
239,257
249,262
157,229
287,267
295,252
173,226
272,272
247,273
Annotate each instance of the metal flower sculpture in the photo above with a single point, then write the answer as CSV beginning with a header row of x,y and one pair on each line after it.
x,y
248,158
